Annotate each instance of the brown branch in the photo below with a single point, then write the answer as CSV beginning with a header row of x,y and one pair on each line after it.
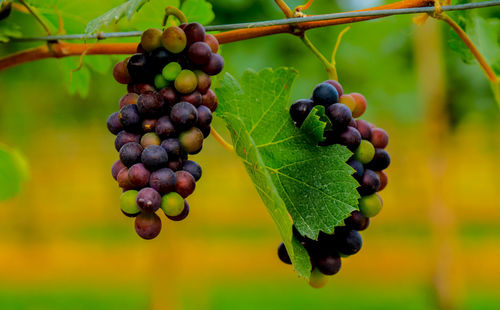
x,y
62,49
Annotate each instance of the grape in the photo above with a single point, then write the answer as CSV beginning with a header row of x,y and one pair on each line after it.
x,y
380,138
340,116
163,180
370,205
138,67
357,221
349,101
209,99
191,140
160,82
383,179
159,58
325,94
117,166
172,204
185,62
130,118
364,129
148,199
183,215
130,153
123,180
138,175
113,123
128,205
185,183
194,33
169,95
150,138
358,167
369,184
130,98
154,157
300,109
193,168
120,73
350,137
194,98
199,53
214,65
150,104
337,86
175,164
365,152
283,254
151,39
143,88
328,263
147,225
171,71
173,148
148,125
205,131
317,279
204,116
212,41
380,161
186,82
360,105
124,137
165,127
184,115
204,81
347,241
174,39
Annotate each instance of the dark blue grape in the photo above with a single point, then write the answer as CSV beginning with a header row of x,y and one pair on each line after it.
x,y
357,221
325,94
204,116
114,124
124,137
300,109
184,115
193,168
130,153
163,181
358,167
328,262
159,58
283,254
130,118
139,68
340,116
370,183
380,161
150,104
154,157
347,241
173,148
164,127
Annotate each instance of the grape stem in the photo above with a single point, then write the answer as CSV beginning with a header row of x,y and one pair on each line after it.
x,y
172,11
330,69
221,140
284,8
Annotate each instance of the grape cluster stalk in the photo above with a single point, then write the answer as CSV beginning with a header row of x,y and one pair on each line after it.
x,y
164,118
369,160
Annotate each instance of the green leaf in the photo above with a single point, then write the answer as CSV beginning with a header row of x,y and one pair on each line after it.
x,y
13,171
315,124
127,9
312,184
198,11
9,30
77,81
151,15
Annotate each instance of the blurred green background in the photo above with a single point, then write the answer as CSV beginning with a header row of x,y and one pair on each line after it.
x,y
64,243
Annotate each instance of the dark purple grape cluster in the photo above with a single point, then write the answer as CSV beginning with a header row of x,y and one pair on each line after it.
x,y
369,160
164,118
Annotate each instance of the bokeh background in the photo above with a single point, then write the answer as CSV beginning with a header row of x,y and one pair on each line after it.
x,y
64,243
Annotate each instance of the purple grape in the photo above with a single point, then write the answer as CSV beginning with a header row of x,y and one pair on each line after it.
x,y
358,167
138,175
150,104
193,168
165,127
328,263
380,161
300,109
130,153
194,98
215,65
340,116
117,166
364,129
209,99
130,118
194,33
154,157
147,225
124,137
148,199
347,241
184,115
169,95
163,180
185,183
173,148
351,138
204,116
370,183
114,124
357,221
199,53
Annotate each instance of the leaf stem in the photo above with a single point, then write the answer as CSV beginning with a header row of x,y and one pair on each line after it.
x,y
330,69
302,7
36,16
221,140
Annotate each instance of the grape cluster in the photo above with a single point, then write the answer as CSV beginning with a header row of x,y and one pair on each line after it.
x,y
369,160
164,117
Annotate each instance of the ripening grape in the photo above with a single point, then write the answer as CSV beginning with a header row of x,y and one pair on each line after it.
x,y
183,215
174,39
283,254
160,82
150,138
120,73
150,104
130,153
370,205
193,168
173,148
194,33
204,81
328,262
365,152
171,71
380,138
191,140
123,180
163,180
172,204
209,99
317,279
364,129
383,179
370,183
381,160
130,98
212,41
358,167
199,53
165,127
340,116
147,225
186,82
184,115
214,65
128,205
130,118
349,101
194,98
117,166
300,109
185,183
124,137
347,241
148,199
154,157
325,94
114,124
151,39
138,175
360,105
337,86
357,221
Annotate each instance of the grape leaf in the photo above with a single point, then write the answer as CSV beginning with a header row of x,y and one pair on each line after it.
x,y
315,124
9,30
13,171
198,11
126,9
312,184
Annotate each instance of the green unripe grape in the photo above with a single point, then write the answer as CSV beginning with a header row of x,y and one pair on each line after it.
x,y
365,152
160,82
370,205
128,204
171,71
172,204
186,82
174,39
151,39
150,138
317,279
191,140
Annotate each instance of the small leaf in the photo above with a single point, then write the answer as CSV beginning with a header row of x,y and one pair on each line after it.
x,y
198,11
9,30
127,9
315,124
13,171
78,81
